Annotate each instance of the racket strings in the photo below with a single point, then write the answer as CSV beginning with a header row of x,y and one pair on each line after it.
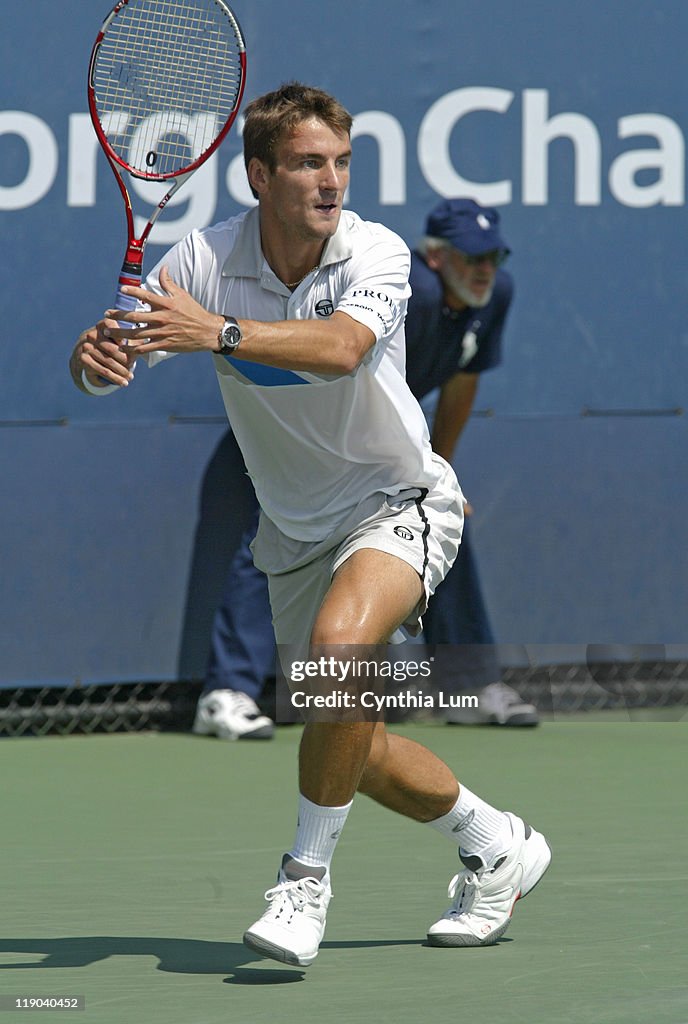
x,y
167,77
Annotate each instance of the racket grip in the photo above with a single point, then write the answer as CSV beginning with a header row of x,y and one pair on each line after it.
x,y
125,303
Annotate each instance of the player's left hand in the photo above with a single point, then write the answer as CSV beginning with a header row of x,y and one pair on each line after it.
x,y
175,323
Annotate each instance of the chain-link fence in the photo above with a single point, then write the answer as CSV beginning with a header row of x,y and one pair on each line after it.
x,y
105,708
159,706
602,685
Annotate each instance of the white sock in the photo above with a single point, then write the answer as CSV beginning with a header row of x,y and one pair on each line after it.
x,y
317,831
479,829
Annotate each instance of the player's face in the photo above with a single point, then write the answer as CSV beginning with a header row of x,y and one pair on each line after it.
x,y
305,192
470,280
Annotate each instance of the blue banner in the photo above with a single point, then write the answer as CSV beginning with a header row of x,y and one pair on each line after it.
x,y
570,118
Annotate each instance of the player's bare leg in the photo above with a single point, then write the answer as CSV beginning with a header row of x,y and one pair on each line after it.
x,y
407,777
371,594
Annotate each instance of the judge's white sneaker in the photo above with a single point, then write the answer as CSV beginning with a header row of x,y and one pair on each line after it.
x,y
231,715
483,896
292,927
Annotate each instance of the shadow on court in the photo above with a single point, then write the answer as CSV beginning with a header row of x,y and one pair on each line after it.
x,y
176,956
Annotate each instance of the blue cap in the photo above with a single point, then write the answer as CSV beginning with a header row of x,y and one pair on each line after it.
x,y
471,228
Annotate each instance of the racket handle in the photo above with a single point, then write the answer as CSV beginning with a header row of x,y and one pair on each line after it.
x,y
125,303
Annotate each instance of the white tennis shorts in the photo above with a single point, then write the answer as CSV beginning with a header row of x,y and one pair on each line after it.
x,y
421,527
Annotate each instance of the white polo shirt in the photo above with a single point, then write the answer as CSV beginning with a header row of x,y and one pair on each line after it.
x,y
315,446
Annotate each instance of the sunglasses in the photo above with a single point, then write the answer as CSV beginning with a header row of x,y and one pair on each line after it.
x,y
496,257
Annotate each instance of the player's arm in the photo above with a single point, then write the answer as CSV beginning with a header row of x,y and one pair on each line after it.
x,y
335,346
177,323
454,406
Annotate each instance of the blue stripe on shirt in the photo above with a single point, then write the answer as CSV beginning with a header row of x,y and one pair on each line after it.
x,y
266,376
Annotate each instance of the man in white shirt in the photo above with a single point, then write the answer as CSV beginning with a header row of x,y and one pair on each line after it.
x,y
302,305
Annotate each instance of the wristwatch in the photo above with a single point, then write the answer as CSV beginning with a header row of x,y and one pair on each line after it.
x,y
229,337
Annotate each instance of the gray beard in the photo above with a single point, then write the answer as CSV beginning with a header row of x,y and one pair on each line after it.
x,y
462,292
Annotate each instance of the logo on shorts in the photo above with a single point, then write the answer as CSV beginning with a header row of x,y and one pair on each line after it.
x,y
324,308
402,532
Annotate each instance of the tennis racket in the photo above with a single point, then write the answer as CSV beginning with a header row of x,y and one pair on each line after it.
x,y
165,83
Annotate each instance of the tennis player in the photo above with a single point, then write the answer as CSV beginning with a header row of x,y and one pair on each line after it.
x,y
455,320
302,306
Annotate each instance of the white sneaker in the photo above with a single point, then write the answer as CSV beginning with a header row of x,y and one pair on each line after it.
x,y
231,715
484,897
292,927
498,704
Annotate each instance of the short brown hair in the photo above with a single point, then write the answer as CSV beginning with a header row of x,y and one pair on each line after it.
x,y
276,114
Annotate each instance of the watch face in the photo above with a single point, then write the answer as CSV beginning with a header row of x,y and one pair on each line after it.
x,y
231,336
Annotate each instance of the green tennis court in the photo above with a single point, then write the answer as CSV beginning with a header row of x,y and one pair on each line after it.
x,y
133,863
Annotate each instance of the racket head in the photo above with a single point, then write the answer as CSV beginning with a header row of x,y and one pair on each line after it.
x,y
165,83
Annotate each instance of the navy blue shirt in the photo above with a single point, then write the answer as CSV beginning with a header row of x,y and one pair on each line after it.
x,y
441,342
